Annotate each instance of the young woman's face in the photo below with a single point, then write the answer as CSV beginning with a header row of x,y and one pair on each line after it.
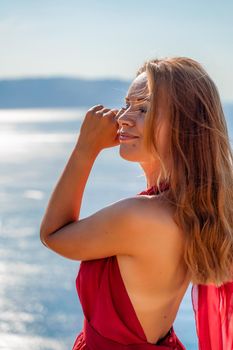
x,y
131,121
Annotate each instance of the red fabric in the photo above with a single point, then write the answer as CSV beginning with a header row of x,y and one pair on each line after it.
x,y
213,309
110,321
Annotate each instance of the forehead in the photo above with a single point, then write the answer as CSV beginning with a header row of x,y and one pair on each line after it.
x,y
138,88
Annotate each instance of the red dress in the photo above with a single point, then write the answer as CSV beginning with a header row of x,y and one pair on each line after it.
x,y
110,321
213,308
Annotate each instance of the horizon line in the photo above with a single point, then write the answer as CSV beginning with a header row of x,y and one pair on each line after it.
x,y
62,76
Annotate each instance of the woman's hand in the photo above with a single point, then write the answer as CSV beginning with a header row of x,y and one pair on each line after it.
x,y
99,129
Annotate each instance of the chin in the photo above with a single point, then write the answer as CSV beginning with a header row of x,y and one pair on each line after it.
x,y
130,156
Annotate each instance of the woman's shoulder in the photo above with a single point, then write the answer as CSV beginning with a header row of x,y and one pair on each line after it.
x,y
147,208
153,215
158,239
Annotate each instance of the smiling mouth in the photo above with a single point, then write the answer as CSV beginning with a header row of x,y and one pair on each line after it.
x,y
125,137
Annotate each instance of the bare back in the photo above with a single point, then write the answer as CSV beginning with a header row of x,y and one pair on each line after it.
x,y
156,278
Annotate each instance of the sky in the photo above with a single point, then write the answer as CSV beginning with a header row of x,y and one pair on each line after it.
x,y
112,38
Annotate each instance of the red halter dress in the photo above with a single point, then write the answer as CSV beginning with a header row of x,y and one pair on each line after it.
x,y
213,309
110,321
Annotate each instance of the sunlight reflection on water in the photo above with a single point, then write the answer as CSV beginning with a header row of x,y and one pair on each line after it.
x,y
23,342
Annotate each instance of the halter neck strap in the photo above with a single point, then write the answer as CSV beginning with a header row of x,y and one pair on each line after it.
x,y
155,190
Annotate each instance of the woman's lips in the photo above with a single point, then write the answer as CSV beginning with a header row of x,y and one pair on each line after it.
x,y
126,137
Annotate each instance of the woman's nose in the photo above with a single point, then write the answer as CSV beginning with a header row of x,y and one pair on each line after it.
x,y
124,118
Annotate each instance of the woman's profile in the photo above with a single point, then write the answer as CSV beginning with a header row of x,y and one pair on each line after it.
x,y
139,254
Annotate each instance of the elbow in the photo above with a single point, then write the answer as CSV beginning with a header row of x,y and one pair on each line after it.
x,y
44,236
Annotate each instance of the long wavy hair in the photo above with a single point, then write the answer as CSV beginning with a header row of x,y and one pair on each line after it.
x,y
201,162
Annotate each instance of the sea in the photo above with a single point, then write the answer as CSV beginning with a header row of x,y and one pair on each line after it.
x,y
39,306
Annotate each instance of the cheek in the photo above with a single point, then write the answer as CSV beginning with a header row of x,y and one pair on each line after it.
x,y
140,125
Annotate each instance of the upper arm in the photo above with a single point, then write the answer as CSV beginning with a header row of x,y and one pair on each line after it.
x,y
107,232
115,229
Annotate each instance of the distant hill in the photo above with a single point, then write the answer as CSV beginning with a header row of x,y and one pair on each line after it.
x,y
64,92
61,92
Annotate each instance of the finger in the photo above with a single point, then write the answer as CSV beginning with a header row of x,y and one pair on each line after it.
x,y
112,111
115,110
96,108
103,111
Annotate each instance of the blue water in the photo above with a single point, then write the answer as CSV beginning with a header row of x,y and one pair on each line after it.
x,y
39,307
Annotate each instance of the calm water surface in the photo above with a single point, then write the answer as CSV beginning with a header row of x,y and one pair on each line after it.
x,y
39,307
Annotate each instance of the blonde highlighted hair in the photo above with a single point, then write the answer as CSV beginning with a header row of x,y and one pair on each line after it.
x,y
200,157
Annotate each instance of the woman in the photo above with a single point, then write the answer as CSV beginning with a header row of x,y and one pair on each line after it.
x,y
140,254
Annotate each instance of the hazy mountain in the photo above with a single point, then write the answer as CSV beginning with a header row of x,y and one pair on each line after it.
x,y
61,92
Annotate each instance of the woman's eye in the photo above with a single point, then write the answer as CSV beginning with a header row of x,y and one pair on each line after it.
x,y
143,110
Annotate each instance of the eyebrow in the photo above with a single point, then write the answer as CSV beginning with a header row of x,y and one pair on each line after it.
x,y
138,99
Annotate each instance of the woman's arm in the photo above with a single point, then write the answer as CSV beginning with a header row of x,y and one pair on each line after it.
x,y
98,131
65,202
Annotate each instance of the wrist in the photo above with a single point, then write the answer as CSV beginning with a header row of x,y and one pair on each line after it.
x,y
86,151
